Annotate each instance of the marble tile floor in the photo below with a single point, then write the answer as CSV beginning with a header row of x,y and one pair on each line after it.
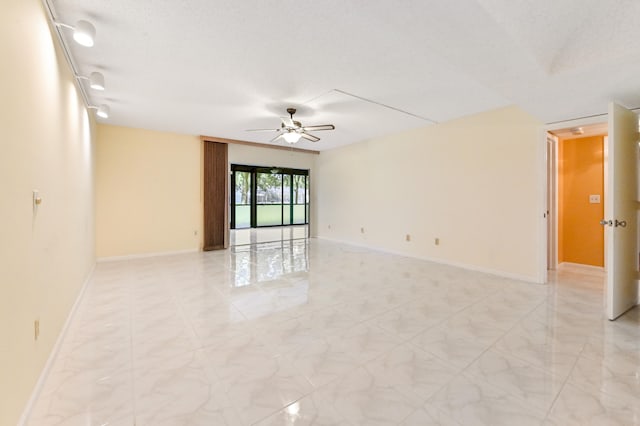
x,y
267,234
310,332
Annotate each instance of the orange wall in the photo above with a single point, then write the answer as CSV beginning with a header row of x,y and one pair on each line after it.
x,y
580,174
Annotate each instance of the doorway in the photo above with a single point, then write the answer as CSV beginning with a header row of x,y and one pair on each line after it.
x,y
576,173
268,204
621,213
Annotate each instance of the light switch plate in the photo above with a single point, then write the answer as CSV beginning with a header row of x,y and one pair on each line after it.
x,y
594,198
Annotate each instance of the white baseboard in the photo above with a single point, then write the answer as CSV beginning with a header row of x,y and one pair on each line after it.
x,y
54,353
144,255
579,266
461,265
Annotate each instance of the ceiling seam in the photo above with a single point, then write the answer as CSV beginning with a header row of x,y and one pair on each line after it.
x,y
372,102
386,106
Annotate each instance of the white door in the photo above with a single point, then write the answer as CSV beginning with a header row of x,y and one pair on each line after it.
x,y
621,207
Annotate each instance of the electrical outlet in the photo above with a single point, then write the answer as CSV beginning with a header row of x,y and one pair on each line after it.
x,y
407,237
36,329
362,230
437,241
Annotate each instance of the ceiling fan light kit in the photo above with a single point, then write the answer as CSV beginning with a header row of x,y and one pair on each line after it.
x,y
291,137
292,131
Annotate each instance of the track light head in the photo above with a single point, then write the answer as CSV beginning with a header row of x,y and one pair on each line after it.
x,y
103,111
96,81
84,33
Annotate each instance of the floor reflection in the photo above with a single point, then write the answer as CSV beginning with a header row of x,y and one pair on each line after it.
x,y
259,263
246,236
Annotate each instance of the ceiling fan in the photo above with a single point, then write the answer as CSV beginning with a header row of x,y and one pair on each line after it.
x,y
291,131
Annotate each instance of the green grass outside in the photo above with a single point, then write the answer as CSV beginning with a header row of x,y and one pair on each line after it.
x,y
268,215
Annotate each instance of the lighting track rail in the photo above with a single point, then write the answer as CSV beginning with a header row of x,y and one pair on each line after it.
x,y
84,34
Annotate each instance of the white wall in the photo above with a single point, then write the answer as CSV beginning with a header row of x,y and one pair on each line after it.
x,y
260,156
473,183
47,144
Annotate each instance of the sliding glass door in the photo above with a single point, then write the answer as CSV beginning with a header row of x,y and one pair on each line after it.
x,y
300,200
265,196
269,199
241,182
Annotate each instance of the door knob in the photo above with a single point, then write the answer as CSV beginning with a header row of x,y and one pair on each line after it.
x,y
604,222
621,223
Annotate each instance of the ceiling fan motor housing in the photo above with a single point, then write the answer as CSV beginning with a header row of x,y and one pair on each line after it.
x,y
291,130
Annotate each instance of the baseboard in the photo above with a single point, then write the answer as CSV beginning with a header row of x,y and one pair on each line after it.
x,y
54,352
144,255
579,266
475,268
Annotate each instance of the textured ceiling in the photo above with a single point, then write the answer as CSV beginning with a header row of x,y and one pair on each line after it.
x,y
218,67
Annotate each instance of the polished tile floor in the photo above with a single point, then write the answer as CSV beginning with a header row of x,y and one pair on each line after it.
x,y
313,332
267,234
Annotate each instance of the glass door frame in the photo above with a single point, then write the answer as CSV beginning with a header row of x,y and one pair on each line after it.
x,y
254,170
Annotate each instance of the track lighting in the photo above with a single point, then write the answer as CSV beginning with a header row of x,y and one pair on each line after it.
x,y
84,33
96,80
102,111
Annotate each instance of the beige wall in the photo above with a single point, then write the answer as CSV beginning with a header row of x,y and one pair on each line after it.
x,y
148,192
258,156
47,144
148,188
473,183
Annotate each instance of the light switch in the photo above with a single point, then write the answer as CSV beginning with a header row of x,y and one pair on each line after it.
x,y
594,198
36,198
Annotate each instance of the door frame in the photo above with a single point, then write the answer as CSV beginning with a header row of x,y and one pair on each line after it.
x,y
552,201
544,224
254,170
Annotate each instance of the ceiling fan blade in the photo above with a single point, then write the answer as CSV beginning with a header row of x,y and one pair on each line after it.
x,y
262,130
309,137
288,122
319,127
276,138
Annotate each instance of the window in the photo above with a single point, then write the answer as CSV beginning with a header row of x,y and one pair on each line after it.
x,y
263,196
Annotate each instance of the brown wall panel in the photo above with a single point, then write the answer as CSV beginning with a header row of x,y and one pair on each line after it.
x,y
216,232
